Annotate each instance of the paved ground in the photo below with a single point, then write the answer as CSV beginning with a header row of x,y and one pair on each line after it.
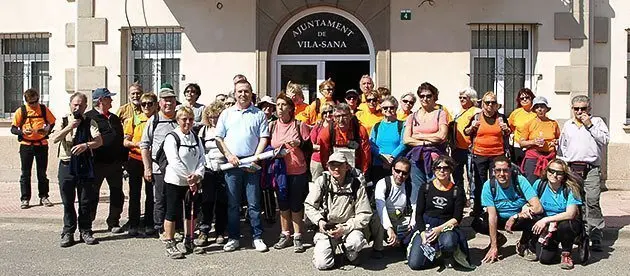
x,y
30,247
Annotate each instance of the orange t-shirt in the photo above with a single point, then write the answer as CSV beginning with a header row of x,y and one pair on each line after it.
x,y
299,108
489,139
135,132
548,130
34,122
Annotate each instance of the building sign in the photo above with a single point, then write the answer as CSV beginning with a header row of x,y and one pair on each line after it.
x,y
323,33
405,14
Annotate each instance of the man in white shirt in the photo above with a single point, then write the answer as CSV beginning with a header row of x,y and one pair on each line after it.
x,y
581,145
392,203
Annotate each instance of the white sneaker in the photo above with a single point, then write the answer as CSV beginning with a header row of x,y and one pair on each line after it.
x,y
260,245
231,245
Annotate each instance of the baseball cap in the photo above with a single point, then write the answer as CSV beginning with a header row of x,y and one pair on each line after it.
x,y
337,157
101,93
167,92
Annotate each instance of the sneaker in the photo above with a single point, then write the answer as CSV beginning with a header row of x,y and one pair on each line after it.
x,y
179,237
88,238
162,237
67,240
567,261
172,251
202,239
298,247
220,239
24,204
260,245
132,232
45,202
530,255
231,245
149,231
596,246
116,229
284,241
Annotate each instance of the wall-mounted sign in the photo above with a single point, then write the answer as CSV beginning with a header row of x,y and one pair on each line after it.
x,y
405,14
323,33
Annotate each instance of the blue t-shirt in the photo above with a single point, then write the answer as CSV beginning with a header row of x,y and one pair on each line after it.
x,y
507,201
388,141
241,129
554,203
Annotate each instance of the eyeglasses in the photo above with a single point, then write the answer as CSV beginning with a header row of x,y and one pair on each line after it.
x,y
501,170
401,172
328,112
555,172
443,168
408,102
490,102
340,116
370,100
388,107
580,108
425,96
147,104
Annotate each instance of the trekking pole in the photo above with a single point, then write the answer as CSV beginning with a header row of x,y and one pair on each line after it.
x,y
192,218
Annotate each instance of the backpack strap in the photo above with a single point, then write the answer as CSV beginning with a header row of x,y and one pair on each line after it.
x,y
24,114
317,104
388,186
298,128
540,190
331,131
375,128
401,124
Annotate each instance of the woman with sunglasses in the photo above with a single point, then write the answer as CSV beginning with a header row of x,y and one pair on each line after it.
x,y
133,129
488,135
540,137
386,141
353,99
425,133
460,142
191,96
440,209
229,101
311,114
560,196
213,199
371,115
408,101
327,118
522,115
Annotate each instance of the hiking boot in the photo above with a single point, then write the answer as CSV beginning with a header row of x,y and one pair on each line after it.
x,y
220,239
179,237
132,232
202,239
298,247
530,255
231,245
116,229
45,202
88,238
67,240
284,241
596,246
24,204
162,237
260,245
567,261
172,251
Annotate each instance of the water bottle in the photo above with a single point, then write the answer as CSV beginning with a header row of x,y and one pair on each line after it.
x,y
427,231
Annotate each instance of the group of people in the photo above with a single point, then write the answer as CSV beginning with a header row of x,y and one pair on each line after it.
x,y
361,170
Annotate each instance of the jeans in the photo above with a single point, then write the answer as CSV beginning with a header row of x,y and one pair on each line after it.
x,y
69,187
27,154
594,218
462,160
213,203
566,233
159,201
447,244
237,179
136,171
482,166
113,174
418,177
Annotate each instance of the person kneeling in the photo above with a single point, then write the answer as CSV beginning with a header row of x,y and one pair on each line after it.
x,y
337,201
440,208
560,196
505,196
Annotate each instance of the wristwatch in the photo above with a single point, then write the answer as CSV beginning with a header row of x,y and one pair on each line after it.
x,y
515,216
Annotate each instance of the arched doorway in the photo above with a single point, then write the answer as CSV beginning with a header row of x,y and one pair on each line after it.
x,y
321,43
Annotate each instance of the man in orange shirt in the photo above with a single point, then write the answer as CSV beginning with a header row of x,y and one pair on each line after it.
x,y
32,123
346,133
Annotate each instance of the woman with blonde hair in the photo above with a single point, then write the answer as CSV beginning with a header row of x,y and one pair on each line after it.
x,y
311,113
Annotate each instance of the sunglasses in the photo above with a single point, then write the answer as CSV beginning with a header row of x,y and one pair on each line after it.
x,y
443,168
388,107
33,102
526,98
408,102
425,96
463,98
580,108
490,102
147,104
351,98
401,172
339,116
555,172
230,103
370,100
501,170
328,89
327,112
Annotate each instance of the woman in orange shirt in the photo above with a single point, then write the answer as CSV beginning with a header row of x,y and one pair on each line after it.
x,y
488,135
310,114
517,121
540,137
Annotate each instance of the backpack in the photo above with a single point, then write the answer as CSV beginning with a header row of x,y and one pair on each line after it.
x,y
329,193
506,139
515,173
400,127
160,156
44,115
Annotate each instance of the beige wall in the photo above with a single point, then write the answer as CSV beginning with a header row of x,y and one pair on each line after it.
x,y
614,55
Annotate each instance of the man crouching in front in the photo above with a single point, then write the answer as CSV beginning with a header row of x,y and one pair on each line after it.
x,y
337,202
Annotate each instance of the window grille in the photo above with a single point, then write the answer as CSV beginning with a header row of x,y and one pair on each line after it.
x,y
24,64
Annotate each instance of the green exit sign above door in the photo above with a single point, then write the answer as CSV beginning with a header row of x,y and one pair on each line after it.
x,y
405,14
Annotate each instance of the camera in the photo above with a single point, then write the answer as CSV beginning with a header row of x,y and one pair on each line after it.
x,y
77,115
330,226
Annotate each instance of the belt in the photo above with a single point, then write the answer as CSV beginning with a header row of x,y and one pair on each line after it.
x,y
587,165
66,163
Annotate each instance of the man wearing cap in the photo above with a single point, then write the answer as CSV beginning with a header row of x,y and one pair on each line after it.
x,y
337,202
242,131
581,144
156,129
108,159
353,100
539,137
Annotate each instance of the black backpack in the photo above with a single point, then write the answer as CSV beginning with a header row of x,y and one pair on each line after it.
x,y
515,172
160,156
43,115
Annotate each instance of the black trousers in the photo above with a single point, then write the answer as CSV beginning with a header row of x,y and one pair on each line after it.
x,y
113,174
70,187
213,202
136,172
27,154
159,201
567,231
481,225
482,166
461,160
